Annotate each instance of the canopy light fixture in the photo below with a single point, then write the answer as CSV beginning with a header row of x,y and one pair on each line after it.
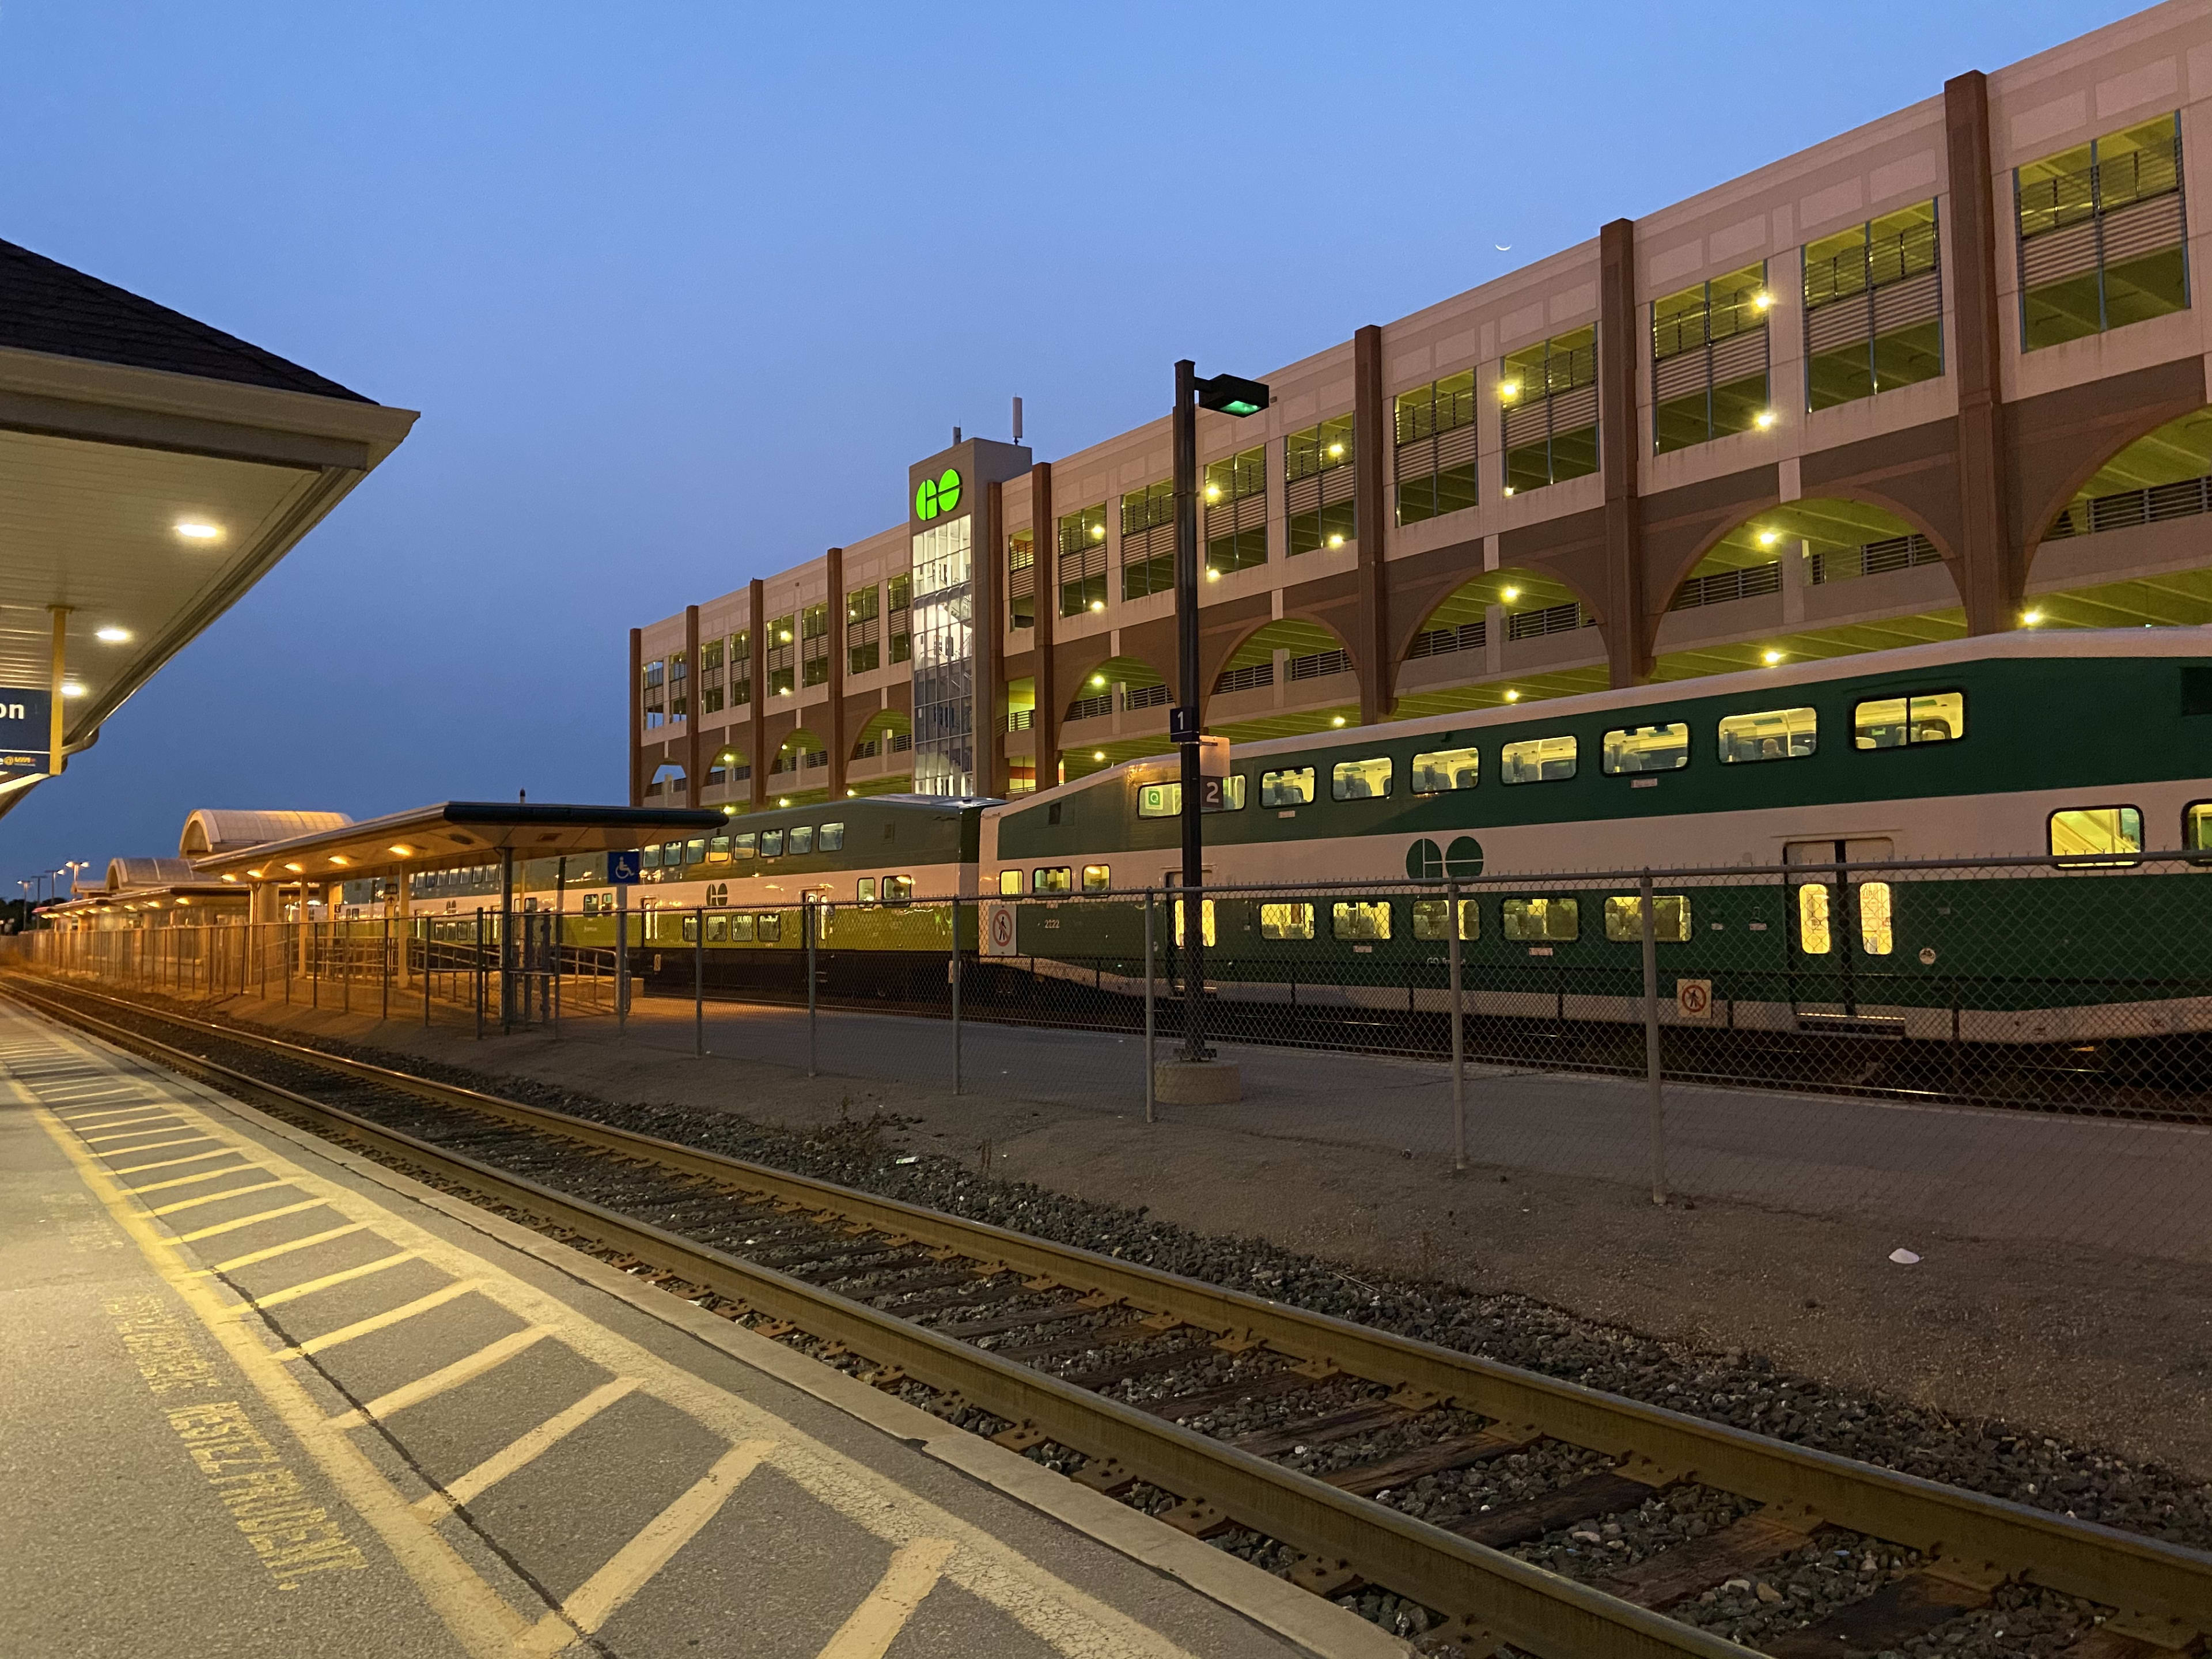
x,y
400,848
113,635
198,529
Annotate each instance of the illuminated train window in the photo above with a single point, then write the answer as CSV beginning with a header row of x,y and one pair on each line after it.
x,y
1902,722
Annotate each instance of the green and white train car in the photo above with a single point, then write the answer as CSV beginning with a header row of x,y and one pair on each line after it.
x,y
2090,746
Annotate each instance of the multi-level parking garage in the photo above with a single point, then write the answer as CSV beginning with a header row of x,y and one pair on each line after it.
x,y
1943,374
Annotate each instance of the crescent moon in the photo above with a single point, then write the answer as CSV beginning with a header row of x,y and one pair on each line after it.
x,y
1503,247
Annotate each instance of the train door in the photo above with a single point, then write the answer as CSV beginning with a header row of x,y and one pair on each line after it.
x,y
1836,921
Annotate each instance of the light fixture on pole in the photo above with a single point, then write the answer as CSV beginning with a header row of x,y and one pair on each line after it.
x,y
1227,394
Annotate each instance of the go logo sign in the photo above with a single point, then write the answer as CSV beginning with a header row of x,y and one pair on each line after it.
x,y
934,496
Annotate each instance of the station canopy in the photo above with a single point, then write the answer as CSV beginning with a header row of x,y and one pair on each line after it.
x,y
152,470
455,833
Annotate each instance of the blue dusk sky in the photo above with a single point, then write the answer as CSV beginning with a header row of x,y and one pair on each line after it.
x,y
680,289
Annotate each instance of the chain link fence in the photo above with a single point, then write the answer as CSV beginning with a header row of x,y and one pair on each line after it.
x,y
2018,1048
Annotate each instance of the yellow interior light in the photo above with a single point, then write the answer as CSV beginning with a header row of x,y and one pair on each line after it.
x,y
256,874
1098,754
1771,658
196,530
1098,679
1337,721
113,635
1508,594
1761,300
1211,575
1336,541
297,869
1764,420
401,849
230,877
2031,618
783,800
1097,532
1097,604
1509,388
849,794
1512,696
1508,490
1213,492
1336,449
1768,538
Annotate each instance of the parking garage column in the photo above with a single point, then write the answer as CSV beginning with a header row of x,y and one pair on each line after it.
x,y
758,634
1620,448
637,716
1371,449
1987,574
691,722
1044,536
835,735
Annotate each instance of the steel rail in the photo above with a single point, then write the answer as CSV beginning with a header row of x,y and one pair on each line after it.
x,y
2134,1573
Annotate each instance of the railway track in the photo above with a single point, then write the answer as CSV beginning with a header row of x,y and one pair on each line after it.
x,y
1280,1432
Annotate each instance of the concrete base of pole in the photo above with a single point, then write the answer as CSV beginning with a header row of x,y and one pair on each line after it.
x,y
1198,1082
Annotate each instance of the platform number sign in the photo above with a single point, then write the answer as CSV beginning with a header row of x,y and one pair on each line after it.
x,y
25,734
999,930
1693,999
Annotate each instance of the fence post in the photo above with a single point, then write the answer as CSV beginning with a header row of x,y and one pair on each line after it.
x,y
476,964
1458,1032
956,993
1645,906
344,948
315,964
1152,1011
813,1051
699,983
284,928
384,965
622,962
426,969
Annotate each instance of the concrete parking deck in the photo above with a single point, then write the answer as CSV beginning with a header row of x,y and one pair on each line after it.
x,y
270,1398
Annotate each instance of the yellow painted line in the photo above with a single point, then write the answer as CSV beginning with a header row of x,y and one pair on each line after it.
x,y
484,1624
216,1198
389,1317
446,1377
517,1454
143,1109
246,1221
170,1127
627,1571
294,1292
134,1114
275,1250
190,1180
172,1162
876,1623
153,1145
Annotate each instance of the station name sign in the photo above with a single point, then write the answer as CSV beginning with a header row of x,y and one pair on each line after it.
x,y
932,496
25,734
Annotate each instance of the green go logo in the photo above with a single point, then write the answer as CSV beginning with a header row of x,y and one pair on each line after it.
x,y
934,496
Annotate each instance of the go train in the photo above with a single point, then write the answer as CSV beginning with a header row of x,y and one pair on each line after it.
x,y
2094,748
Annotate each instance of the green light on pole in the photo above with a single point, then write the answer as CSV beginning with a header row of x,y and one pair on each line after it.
x,y
1231,394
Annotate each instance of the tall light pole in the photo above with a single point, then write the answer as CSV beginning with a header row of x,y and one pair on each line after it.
x,y
1230,395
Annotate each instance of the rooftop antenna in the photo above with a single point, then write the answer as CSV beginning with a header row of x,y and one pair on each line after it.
x,y
1017,420
956,437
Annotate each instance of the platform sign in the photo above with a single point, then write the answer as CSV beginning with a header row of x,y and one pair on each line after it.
x,y
26,734
998,929
1693,999
621,869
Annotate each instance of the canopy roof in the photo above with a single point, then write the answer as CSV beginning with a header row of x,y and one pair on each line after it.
x,y
457,832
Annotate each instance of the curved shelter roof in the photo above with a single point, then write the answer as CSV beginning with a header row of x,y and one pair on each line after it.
x,y
127,875
457,832
229,829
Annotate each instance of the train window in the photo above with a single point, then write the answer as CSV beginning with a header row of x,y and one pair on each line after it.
x,y
1537,760
1670,918
1097,878
831,840
802,838
746,845
1010,882
1896,722
1813,919
1205,920
864,890
719,894
1432,919
1050,878
2089,833
695,852
1646,748
1776,734
771,843
718,850
741,928
1360,780
898,890
1876,937
1293,787
1443,770
647,859
2196,827
1165,800
718,930
691,930
1360,919
1287,921
769,929
1543,919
